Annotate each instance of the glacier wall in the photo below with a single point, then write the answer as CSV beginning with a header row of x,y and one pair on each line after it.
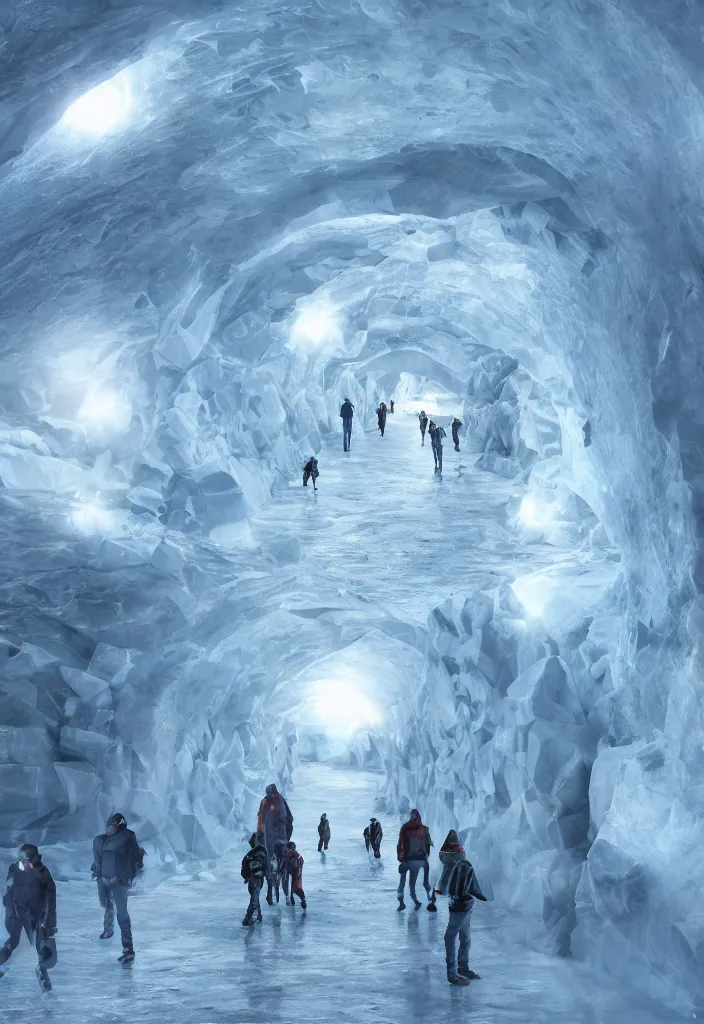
x,y
301,202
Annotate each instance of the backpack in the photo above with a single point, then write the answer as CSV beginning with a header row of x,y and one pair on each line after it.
x,y
459,884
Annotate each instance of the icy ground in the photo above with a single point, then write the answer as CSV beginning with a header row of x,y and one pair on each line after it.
x,y
352,957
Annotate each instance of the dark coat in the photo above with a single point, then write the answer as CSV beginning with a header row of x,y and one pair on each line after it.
x,y
275,821
254,864
31,895
381,415
324,829
346,410
374,833
118,856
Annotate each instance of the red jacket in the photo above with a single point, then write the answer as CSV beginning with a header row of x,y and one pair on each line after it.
x,y
293,864
413,841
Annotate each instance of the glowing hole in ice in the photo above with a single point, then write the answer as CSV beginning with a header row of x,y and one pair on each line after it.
x,y
314,326
92,517
341,708
534,513
101,110
534,593
105,410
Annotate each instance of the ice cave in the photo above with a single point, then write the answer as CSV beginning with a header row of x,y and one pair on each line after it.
x,y
219,221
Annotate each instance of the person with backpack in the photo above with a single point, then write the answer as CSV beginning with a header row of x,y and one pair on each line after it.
x,y
323,833
460,883
413,850
275,822
381,417
311,470
455,427
253,871
436,435
30,906
423,423
117,857
346,412
293,875
373,834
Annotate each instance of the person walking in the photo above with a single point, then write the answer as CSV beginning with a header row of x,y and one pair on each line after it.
x,y
423,423
455,427
413,849
323,833
391,406
275,822
381,417
459,881
373,834
253,871
293,875
436,435
117,857
310,470
30,906
347,413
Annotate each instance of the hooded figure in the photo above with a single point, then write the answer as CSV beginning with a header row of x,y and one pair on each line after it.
x,y
456,424
253,871
346,412
413,848
293,874
311,470
459,881
117,857
423,424
275,822
373,834
323,833
30,905
381,417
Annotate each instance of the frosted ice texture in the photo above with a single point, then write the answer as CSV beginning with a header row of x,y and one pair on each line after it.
x,y
455,180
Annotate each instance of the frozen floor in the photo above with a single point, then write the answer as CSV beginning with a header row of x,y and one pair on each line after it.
x,y
382,525
353,958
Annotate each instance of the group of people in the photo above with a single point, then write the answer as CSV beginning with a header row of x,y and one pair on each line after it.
x,y
437,433
273,855
30,896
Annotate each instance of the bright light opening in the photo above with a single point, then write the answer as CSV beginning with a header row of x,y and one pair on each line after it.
x,y
101,110
341,708
316,326
105,410
90,516
535,514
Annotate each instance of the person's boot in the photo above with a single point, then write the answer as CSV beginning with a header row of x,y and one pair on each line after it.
x,y
43,979
417,904
127,956
401,905
464,972
455,979
304,905
107,933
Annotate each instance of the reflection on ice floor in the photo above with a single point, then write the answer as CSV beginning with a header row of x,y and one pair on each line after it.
x,y
352,958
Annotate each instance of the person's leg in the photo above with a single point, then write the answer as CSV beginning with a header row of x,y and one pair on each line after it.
x,y
320,845
119,895
440,459
426,881
465,942
41,970
415,866
435,456
453,926
14,932
108,905
402,871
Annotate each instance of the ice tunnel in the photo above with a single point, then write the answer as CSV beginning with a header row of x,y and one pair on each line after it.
x,y
219,221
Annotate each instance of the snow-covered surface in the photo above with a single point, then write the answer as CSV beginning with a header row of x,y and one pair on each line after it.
x,y
352,957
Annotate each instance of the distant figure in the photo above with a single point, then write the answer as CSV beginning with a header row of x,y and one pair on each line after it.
x,y
423,421
391,406
373,834
413,849
30,905
323,833
459,881
117,858
254,869
346,412
310,470
381,417
293,873
275,822
436,436
456,424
